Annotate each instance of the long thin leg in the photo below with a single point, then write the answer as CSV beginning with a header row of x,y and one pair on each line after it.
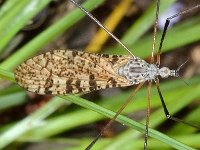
x,y
147,115
155,32
116,115
102,26
150,82
167,114
167,22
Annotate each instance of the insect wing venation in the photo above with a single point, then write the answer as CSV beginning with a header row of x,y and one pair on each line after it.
x,y
65,72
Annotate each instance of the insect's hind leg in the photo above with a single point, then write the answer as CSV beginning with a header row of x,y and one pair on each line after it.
x,y
167,22
167,114
147,115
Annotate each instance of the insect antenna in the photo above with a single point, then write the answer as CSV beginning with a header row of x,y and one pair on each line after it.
x,y
102,26
184,81
177,70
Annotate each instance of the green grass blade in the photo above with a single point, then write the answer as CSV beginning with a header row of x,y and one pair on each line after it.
x,y
16,19
48,35
143,23
30,122
173,39
6,75
8,5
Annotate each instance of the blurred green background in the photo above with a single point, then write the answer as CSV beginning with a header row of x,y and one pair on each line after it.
x,y
30,121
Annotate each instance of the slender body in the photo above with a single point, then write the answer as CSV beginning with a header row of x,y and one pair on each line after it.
x,y
66,72
137,71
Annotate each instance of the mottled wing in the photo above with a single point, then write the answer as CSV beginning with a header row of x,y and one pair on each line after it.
x,y
66,72
116,60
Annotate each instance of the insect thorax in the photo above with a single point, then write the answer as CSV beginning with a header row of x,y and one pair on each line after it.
x,y
137,71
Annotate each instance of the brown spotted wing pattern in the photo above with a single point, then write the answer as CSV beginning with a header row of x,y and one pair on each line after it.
x,y
66,72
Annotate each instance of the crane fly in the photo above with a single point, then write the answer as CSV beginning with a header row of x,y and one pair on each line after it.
x,y
65,72
62,72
